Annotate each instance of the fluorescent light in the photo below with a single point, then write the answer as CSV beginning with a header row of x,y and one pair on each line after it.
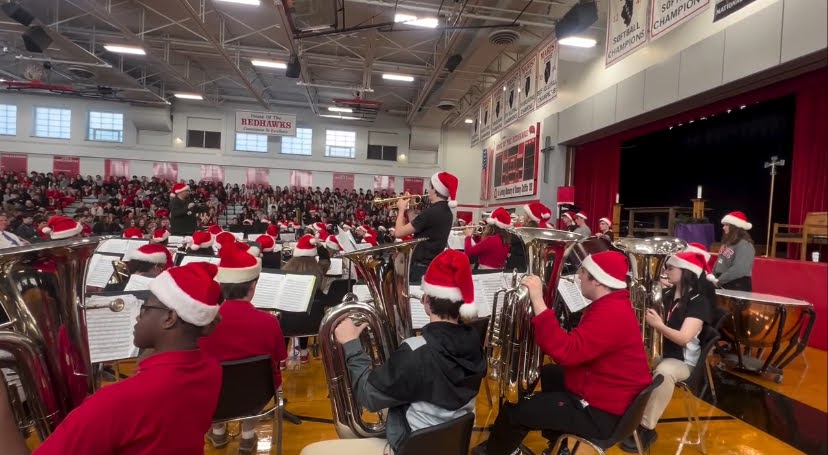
x,y
341,109
468,120
341,117
398,77
117,48
243,2
269,64
189,96
577,41
427,22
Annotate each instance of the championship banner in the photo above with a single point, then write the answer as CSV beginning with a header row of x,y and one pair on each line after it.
x,y
516,165
548,74
725,8
414,185
668,14
626,28
14,162
528,86
258,176
475,127
497,111
385,182
485,118
511,100
66,165
212,173
268,123
485,174
344,182
301,178
116,168
165,171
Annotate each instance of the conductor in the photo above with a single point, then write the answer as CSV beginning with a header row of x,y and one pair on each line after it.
x,y
182,213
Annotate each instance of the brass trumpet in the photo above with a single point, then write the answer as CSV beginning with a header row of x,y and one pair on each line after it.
x,y
414,199
477,229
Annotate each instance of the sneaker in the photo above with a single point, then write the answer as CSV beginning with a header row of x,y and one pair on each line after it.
x,y
304,357
645,435
248,445
283,365
218,441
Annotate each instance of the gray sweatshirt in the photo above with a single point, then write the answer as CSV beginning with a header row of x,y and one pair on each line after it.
x,y
735,261
583,230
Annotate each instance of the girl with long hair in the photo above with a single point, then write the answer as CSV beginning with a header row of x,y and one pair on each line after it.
x,y
495,243
734,266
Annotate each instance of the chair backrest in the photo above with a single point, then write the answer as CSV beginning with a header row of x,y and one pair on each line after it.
x,y
632,417
246,387
707,339
816,223
447,438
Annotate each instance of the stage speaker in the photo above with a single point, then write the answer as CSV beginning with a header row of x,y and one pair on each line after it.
x,y
36,39
294,69
579,18
453,62
17,13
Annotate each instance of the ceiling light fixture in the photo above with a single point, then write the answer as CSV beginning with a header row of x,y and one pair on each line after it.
x,y
347,110
469,121
407,19
397,77
189,96
341,117
119,49
577,41
269,64
243,2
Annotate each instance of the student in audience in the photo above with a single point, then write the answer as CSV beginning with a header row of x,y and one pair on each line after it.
x,y
8,239
148,260
243,331
60,228
169,403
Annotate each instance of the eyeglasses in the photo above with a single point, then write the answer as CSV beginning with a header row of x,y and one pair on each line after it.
x,y
152,307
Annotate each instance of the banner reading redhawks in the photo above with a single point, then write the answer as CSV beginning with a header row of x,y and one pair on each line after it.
x,y
116,168
516,165
212,173
66,165
258,176
345,182
414,185
626,28
268,123
14,162
165,171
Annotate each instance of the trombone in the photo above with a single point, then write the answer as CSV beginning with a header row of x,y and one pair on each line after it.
x,y
477,230
414,199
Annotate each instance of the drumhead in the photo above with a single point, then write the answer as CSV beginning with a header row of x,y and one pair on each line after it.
x,y
759,297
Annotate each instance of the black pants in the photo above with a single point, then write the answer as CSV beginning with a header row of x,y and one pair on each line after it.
x,y
416,272
739,284
553,410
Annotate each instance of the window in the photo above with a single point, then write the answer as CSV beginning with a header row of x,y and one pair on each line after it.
x,y
246,142
8,119
340,144
52,122
106,126
204,139
301,144
382,152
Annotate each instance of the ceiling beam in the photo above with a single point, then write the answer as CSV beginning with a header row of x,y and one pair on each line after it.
x,y
293,46
426,8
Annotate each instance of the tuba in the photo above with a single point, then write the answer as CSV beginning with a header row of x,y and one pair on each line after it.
x,y
647,257
385,270
42,294
516,358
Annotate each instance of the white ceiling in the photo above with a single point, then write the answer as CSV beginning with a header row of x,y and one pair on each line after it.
x,y
206,46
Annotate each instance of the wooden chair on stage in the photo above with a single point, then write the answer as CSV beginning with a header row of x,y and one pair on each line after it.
x,y
813,230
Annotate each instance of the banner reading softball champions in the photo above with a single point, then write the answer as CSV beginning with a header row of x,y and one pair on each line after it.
x,y
626,28
665,15
528,86
486,118
516,165
510,99
475,127
268,123
548,74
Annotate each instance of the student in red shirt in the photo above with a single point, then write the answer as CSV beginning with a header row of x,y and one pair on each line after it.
x,y
495,245
243,331
168,405
600,366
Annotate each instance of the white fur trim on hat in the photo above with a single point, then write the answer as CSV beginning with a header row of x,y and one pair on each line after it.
x,y
676,261
154,258
442,292
189,309
64,234
239,275
530,214
711,278
605,220
468,310
438,186
195,247
493,220
739,223
603,277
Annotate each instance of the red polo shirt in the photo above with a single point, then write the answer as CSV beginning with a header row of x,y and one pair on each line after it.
x,y
246,332
166,408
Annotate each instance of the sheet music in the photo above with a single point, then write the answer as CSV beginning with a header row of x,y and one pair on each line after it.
x,y
132,246
113,246
138,283
284,292
188,259
110,333
175,240
363,246
362,292
419,318
457,241
99,270
336,267
267,290
485,286
346,240
572,296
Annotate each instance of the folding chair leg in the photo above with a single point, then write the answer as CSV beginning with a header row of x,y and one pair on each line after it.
x,y
277,421
691,407
710,382
488,392
290,417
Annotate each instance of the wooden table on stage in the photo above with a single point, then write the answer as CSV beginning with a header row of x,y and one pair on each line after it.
x,y
658,213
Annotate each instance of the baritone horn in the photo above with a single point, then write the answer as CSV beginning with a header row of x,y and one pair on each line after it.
x,y
413,199
388,315
516,357
477,230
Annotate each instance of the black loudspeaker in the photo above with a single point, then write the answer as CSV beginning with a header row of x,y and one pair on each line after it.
x,y
294,69
36,39
453,62
577,19
17,13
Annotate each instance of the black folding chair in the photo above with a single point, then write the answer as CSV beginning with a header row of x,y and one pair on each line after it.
x,y
696,386
448,438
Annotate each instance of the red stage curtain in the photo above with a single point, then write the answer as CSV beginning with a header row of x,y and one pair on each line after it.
x,y
597,173
809,180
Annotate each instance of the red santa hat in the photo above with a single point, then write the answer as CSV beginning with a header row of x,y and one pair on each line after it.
x,y
272,230
191,291
608,267
60,227
693,262
159,235
537,212
322,235
333,243
215,230
500,218
445,184
237,266
605,220
466,217
305,247
266,242
318,226
200,239
581,215
152,253
251,249
346,226
179,188
449,277
133,233
698,248
737,219
224,238
569,215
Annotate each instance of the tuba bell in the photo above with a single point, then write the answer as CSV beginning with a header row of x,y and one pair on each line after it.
x,y
385,270
516,358
41,293
647,257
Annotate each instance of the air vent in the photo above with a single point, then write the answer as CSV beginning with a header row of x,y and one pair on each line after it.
x,y
80,73
504,37
446,105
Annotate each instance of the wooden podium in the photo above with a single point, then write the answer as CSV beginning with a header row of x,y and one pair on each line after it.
x,y
698,208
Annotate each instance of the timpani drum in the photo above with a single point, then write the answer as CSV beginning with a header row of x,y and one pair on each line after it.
x,y
758,327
